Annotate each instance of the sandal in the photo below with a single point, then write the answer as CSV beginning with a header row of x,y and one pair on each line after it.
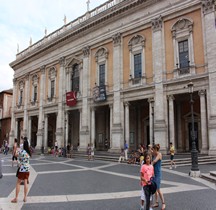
x,y
163,206
14,200
24,200
155,205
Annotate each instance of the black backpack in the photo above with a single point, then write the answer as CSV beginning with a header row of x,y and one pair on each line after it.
x,y
153,186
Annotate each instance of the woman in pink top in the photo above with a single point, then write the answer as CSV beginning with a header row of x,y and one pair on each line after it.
x,y
146,172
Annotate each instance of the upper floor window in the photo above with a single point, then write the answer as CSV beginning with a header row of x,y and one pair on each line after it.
x,y
75,78
136,47
21,97
182,34
35,80
102,74
137,65
52,83
35,94
183,54
101,57
52,90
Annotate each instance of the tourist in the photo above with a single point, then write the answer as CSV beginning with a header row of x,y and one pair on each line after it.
x,y
157,158
172,152
126,150
122,156
23,171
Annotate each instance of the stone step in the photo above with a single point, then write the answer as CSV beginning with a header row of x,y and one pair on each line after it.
x,y
213,173
209,177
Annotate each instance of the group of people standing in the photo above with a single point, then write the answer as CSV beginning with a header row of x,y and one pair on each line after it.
x,y
151,168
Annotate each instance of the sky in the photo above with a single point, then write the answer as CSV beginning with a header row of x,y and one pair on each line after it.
x,y
25,19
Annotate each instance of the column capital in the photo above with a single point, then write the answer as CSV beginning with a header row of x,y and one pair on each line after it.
x,y
62,61
170,97
126,104
116,39
27,76
14,81
157,24
151,100
202,92
42,69
208,6
86,51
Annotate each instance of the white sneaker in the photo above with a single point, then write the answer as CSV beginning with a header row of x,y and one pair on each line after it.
x,y
171,167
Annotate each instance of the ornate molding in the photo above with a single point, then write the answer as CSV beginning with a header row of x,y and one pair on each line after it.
x,y
62,61
202,92
208,6
137,40
102,52
157,24
27,76
86,51
170,97
181,24
42,69
116,39
52,73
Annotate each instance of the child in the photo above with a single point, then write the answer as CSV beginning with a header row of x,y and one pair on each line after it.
x,y
92,151
122,155
146,172
172,152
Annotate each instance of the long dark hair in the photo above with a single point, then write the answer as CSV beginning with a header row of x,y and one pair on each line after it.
x,y
26,146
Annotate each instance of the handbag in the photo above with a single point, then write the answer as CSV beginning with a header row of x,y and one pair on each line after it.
x,y
17,171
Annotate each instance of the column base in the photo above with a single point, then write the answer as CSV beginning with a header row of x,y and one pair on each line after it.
x,y
194,174
212,151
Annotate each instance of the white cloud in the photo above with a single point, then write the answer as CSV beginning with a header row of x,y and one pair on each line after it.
x,y
20,20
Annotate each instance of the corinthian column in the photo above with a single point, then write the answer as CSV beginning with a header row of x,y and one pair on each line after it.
x,y
60,123
25,123
203,113
41,103
210,34
117,128
158,67
84,128
13,120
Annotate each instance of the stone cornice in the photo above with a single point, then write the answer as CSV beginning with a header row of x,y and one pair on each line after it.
x,y
107,16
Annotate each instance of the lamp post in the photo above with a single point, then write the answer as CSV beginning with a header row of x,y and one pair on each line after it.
x,y
65,149
42,147
195,172
152,107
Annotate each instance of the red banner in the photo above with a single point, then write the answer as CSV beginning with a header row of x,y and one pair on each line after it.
x,y
71,98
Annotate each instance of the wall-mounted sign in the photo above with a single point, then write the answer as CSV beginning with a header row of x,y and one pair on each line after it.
x,y
71,98
99,93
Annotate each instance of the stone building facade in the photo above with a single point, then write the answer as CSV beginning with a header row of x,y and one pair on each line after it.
x,y
125,67
6,97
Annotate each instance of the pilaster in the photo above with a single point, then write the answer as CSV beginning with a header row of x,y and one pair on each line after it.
x,y
210,34
159,109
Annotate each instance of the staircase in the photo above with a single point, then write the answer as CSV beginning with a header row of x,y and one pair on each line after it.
x,y
211,176
180,159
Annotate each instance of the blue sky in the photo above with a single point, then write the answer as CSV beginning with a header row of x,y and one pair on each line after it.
x,y
20,20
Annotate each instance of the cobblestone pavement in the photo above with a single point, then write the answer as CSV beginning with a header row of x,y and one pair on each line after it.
x,y
79,184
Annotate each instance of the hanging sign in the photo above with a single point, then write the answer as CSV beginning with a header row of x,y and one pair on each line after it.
x,y
71,99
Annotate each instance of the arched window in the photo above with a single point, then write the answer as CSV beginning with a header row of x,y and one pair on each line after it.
x,y
52,83
136,47
182,34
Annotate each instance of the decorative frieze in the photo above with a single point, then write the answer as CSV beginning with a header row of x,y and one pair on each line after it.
x,y
116,39
157,24
208,6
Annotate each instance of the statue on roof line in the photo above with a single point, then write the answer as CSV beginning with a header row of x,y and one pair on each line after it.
x,y
17,48
88,3
45,32
65,20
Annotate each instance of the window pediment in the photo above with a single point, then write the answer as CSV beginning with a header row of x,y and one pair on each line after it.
x,y
52,73
136,41
101,53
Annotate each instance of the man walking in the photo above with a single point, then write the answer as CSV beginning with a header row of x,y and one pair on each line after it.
x,y
172,152
126,150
